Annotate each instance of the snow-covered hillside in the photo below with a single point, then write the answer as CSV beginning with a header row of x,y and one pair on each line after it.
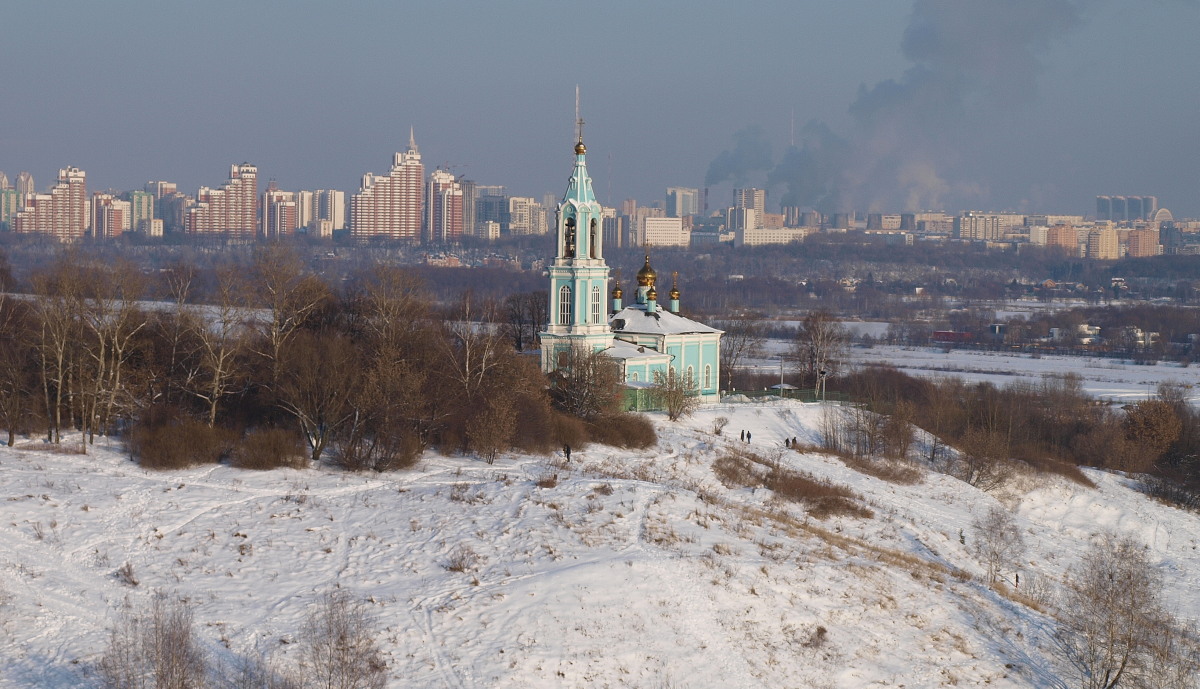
x,y
619,569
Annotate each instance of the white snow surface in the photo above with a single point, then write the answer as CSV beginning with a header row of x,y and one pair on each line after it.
x,y
638,568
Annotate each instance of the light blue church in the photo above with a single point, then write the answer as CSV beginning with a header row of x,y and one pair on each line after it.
x,y
649,342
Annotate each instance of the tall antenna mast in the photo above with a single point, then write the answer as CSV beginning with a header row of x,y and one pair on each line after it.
x,y
578,119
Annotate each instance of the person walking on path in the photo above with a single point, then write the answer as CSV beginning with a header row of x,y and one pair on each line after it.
x,y
743,435
567,452
747,436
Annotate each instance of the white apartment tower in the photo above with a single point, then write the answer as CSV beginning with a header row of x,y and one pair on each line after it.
x,y
390,206
231,210
62,213
444,207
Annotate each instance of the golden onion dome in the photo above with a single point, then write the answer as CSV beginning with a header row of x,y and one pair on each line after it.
x,y
580,149
617,293
646,277
652,295
674,294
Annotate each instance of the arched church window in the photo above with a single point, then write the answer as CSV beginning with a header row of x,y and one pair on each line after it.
x,y
690,379
595,239
595,304
707,376
633,376
564,305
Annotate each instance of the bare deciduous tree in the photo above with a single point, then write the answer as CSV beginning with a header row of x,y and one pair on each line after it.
x,y
676,394
155,649
527,314
588,385
744,338
339,649
1112,612
820,344
221,338
290,294
319,375
997,541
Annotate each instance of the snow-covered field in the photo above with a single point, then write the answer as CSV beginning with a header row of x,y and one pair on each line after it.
x,y
1107,378
624,569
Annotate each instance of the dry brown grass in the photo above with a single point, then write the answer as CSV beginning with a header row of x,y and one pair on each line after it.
x,y
1068,471
821,498
890,470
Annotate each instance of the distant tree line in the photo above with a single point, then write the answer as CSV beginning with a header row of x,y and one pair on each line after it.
x,y
262,362
1052,426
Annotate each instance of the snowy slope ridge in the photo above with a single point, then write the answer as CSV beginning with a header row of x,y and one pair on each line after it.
x,y
619,569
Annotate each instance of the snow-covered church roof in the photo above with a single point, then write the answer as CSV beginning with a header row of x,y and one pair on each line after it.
x,y
634,320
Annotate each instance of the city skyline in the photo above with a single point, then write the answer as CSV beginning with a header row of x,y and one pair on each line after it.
x,y
1074,100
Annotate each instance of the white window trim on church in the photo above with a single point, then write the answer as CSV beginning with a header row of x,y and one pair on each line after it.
x,y
564,305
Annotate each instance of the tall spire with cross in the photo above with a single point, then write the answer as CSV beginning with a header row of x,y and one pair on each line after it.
x,y
579,276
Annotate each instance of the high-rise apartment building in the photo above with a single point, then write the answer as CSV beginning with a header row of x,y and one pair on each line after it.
x,y
444,201
390,206
1063,237
141,207
663,232
62,213
491,205
172,210
25,183
1103,245
110,216
160,189
3,181
469,195
11,202
1143,243
751,198
280,216
525,216
231,210
1126,208
306,209
682,201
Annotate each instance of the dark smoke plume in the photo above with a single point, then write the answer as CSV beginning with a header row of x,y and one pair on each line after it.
x,y
751,154
973,62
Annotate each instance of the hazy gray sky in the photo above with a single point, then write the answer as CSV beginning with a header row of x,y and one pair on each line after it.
x,y
1034,105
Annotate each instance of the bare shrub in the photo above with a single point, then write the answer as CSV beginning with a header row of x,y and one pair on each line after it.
x,y
154,648
269,448
492,429
462,559
892,471
821,498
1070,472
982,461
339,649
623,430
997,541
179,444
126,575
546,480
719,424
254,672
818,638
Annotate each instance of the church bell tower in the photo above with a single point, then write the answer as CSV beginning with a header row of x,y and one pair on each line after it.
x,y
578,277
